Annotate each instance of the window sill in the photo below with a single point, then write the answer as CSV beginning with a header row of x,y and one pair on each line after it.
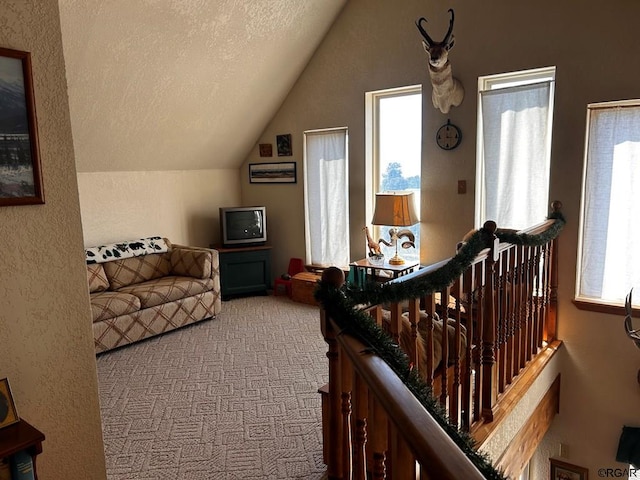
x,y
600,307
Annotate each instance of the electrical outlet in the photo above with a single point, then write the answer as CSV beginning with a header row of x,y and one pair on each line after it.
x,y
462,187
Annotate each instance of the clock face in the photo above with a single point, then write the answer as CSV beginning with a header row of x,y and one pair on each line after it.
x,y
448,136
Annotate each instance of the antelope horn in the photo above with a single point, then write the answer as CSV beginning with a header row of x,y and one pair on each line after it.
x,y
448,35
631,333
423,31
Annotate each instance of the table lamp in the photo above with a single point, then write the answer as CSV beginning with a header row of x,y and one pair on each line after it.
x,y
395,209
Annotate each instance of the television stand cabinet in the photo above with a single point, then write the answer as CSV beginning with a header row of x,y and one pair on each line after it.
x,y
244,270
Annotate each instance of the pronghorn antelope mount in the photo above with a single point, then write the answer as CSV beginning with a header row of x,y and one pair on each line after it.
x,y
447,90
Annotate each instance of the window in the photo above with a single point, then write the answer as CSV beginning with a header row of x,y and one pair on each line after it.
x,y
609,248
326,194
394,137
514,147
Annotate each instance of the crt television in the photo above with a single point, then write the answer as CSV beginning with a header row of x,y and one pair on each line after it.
x,y
243,226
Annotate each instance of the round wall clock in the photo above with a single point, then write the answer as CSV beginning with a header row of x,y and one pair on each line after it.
x,y
448,136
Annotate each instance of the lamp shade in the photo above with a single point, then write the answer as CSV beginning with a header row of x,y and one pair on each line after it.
x,y
395,209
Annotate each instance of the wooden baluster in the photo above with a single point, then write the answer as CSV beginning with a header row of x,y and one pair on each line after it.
x,y
531,303
501,318
378,434
477,340
403,463
444,343
430,308
455,400
347,387
396,321
360,434
528,309
414,319
511,317
489,380
522,307
467,289
539,298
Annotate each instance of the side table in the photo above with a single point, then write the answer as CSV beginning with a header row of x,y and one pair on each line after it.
x,y
21,436
375,272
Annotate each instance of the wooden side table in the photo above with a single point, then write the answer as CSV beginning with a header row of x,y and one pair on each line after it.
x,y
21,436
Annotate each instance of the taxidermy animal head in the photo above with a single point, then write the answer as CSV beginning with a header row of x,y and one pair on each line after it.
x,y
447,90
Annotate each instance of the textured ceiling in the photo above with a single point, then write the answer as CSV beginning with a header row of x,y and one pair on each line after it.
x,y
182,84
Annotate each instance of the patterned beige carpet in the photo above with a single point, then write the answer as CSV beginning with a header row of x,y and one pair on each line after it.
x,y
230,398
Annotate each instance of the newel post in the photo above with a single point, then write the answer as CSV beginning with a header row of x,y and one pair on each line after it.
x,y
552,312
488,355
335,454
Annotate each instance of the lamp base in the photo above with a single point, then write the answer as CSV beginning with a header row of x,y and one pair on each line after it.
x,y
396,260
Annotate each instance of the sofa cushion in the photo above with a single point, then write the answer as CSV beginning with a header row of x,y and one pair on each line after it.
x,y
167,289
97,278
130,271
105,305
191,263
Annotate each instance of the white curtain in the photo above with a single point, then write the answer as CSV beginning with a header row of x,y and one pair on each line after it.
x,y
610,255
516,143
327,197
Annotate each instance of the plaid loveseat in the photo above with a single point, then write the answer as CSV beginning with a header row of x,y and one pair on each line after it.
x,y
146,287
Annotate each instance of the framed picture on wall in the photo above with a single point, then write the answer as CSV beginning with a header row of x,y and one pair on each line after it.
x,y
20,177
283,142
8,414
279,172
566,471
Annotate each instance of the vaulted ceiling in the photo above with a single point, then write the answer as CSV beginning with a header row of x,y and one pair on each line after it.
x,y
182,84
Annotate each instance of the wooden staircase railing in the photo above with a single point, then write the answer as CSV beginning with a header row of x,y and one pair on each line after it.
x,y
493,320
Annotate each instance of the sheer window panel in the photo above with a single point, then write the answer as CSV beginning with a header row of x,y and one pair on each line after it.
x,y
514,148
326,186
609,250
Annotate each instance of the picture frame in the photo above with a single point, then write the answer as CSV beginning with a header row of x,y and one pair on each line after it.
x,y
8,413
266,150
283,142
561,470
20,169
279,172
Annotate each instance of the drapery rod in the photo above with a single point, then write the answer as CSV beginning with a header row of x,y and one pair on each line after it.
x,y
513,88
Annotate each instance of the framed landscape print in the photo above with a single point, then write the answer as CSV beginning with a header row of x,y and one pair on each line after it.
x,y
565,471
20,177
279,172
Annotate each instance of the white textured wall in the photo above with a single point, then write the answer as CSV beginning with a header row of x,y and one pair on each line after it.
x,y
375,45
179,205
46,345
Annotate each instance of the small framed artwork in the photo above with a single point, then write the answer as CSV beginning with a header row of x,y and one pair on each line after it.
x,y
280,172
284,145
565,471
266,150
8,414
20,180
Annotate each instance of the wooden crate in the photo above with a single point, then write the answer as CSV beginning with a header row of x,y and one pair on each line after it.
x,y
302,287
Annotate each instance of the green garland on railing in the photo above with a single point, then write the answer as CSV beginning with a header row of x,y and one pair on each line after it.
x,y
340,304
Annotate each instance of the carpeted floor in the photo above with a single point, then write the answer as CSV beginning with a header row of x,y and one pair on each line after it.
x,y
230,398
